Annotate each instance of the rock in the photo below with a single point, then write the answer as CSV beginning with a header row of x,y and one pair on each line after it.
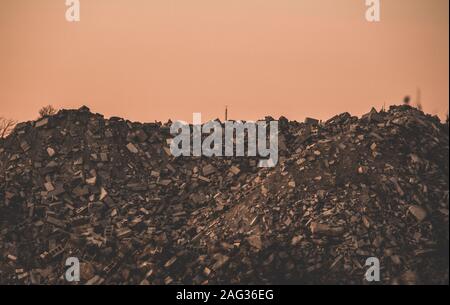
x,y
92,180
295,240
208,170
50,151
235,170
49,186
409,277
25,146
362,170
87,271
132,148
103,193
255,241
220,261
319,228
41,123
311,121
170,262
419,213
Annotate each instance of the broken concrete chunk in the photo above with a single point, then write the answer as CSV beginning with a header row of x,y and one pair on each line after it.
x,y
96,280
418,212
92,180
170,262
50,151
12,257
220,261
235,170
208,170
103,194
255,241
25,146
319,228
122,233
132,148
41,123
49,186
311,121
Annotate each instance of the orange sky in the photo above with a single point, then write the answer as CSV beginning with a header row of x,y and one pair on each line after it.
x,y
151,60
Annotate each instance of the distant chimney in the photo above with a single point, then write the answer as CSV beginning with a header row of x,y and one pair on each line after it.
x,y
419,99
419,96
226,113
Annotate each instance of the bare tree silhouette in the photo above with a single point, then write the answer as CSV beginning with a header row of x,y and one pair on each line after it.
x,y
6,126
47,110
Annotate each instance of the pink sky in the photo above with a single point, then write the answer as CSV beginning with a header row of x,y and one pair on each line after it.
x,y
151,60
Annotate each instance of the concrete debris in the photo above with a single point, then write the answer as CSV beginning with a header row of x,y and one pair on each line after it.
x,y
418,212
108,192
132,148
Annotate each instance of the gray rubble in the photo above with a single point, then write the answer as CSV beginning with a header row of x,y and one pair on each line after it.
x,y
108,192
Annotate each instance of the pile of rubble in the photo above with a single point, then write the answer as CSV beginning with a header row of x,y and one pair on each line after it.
x,y
109,192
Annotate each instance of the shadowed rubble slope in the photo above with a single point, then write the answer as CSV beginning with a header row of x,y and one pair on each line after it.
x,y
108,192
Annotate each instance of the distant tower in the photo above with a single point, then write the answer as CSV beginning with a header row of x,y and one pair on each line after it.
x,y
418,99
226,113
